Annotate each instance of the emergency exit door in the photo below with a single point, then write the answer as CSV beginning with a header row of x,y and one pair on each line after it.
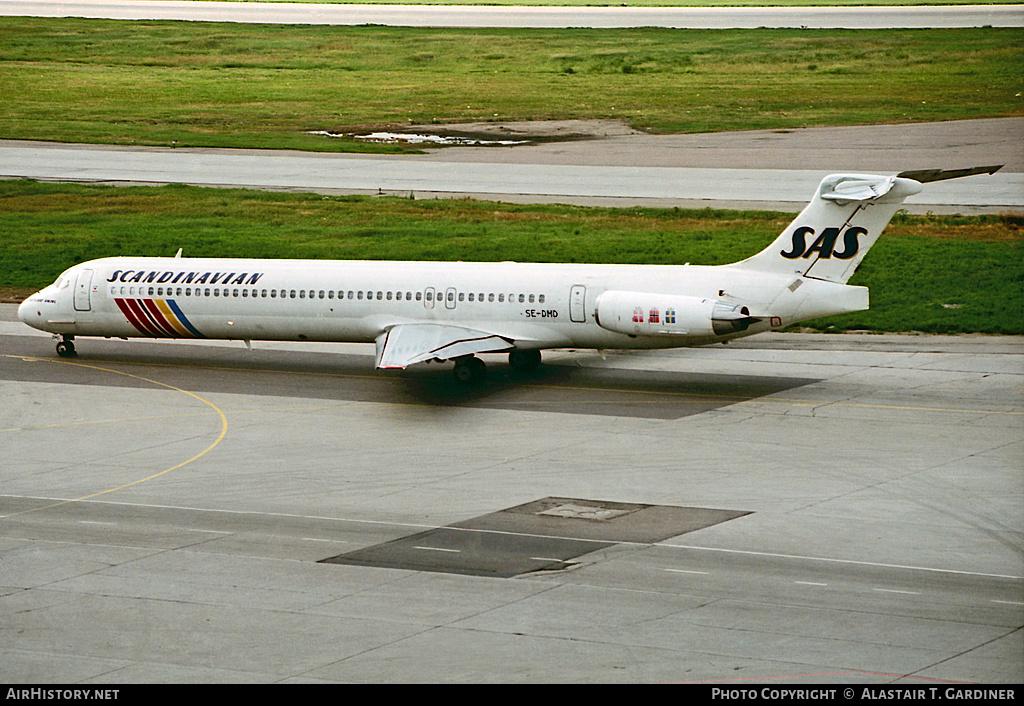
x,y
577,304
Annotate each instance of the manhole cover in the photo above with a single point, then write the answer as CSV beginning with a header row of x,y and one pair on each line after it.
x,y
542,535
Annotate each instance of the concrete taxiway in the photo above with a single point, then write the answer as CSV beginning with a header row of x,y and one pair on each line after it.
x,y
799,508
523,16
612,165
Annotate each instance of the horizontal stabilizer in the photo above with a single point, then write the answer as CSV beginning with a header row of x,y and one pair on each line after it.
x,y
855,188
405,344
924,176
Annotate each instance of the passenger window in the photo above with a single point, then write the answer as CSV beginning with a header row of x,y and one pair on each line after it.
x,y
540,299
234,292
389,296
522,298
531,299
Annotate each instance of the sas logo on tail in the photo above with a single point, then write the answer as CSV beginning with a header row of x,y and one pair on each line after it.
x,y
825,244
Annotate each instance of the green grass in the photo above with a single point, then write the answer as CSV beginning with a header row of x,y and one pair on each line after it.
x,y
234,85
927,273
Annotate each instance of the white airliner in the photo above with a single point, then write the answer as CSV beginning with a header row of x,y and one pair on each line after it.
x,y
418,312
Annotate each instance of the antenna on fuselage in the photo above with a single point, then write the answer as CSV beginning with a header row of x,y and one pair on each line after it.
x,y
178,254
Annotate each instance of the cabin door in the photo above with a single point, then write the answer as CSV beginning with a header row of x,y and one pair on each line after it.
x,y
83,287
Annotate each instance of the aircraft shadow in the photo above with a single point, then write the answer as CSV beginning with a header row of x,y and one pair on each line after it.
x,y
562,387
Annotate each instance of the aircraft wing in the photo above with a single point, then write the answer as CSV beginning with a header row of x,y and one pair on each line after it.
x,y
402,345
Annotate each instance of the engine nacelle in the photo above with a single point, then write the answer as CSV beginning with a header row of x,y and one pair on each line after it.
x,y
647,314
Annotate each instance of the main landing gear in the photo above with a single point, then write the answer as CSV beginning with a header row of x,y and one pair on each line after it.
x,y
522,361
66,347
470,370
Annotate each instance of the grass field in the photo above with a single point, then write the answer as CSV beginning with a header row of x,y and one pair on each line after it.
x,y
202,84
927,273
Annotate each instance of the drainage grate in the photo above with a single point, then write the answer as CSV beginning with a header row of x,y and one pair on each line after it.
x,y
542,535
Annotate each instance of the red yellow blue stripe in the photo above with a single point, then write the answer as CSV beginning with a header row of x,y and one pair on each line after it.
x,y
158,318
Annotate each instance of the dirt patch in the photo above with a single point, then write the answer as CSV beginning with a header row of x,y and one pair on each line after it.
x,y
522,132
15,295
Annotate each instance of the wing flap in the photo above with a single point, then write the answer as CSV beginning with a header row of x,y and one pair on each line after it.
x,y
405,344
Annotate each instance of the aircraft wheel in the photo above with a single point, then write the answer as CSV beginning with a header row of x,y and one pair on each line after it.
x,y
469,370
66,349
522,361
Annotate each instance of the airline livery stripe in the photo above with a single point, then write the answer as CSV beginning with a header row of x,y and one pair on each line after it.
x,y
159,318
170,318
136,317
142,312
156,317
123,306
183,319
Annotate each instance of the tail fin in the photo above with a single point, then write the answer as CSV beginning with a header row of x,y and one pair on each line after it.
x,y
844,219
833,233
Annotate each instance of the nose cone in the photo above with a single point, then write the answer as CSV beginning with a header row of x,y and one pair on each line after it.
x,y
23,311
29,312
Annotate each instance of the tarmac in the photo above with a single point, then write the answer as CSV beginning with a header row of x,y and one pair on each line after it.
x,y
789,509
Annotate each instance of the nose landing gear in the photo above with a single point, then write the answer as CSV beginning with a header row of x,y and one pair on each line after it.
x,y
66,347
